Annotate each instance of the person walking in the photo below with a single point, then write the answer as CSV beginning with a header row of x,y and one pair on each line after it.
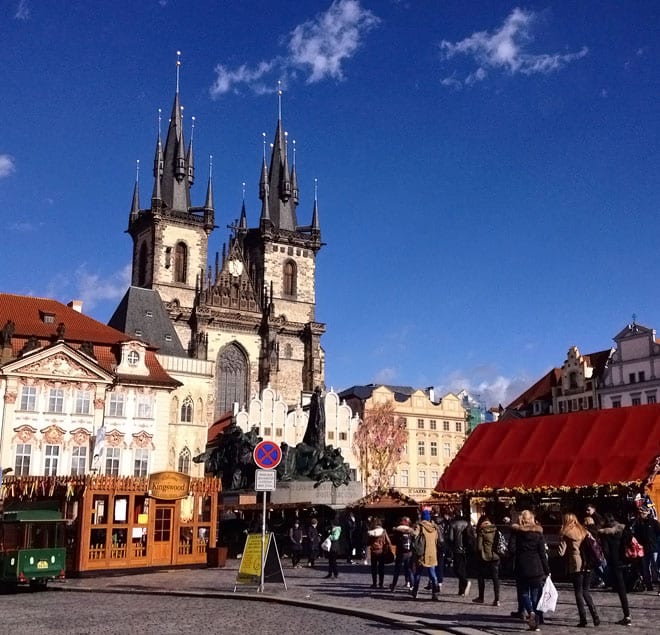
x,y
426,554
530,564
611,535
571,537
333,553
646,530
313,542
378,541
488,562
460,539
296,536
402,538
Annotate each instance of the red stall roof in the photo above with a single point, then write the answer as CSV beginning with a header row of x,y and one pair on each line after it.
x,y
596,447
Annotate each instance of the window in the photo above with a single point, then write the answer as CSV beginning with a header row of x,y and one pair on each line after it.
x,y
445,426
420,448
421,478
116,404
631,378
433,424
267,431
616,403
331,435
180,262
22,465
141,465
232,378
142,264
52,455
278,432
289,282
83,402
144,407
343,436
650,398
641,376
78,460
184,461
420,424
572,380
112,456
636,401
133,358
404,478
434,477
56,400
187,410
459,426
29,398
434,448
446,450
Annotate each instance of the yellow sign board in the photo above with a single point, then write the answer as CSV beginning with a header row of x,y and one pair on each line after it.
x,y
249,571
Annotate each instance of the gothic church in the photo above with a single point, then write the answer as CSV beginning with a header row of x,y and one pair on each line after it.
x,y
251,315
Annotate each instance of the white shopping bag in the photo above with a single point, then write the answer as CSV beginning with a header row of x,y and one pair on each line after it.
x,y
548,599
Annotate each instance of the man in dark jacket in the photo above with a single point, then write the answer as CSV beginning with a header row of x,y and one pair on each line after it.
x,y
460,542
647,531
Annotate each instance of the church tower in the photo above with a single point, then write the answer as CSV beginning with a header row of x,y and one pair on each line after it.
x,y
170,238
253,313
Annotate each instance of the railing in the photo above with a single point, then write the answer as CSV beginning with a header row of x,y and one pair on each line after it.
x,y
97,552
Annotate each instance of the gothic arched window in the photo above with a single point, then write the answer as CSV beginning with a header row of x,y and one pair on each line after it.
x,y
142,265
289,278
231,379
180,262
187,410
184,461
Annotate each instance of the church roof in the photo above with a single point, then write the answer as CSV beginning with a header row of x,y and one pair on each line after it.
x,y
401,393
142,311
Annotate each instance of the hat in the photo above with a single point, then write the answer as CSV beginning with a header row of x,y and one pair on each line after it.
x,y
426,514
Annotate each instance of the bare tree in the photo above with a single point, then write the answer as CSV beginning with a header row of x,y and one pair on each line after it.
x,y
379,442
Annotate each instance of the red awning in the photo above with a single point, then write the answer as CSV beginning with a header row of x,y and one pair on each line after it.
x,y
596,447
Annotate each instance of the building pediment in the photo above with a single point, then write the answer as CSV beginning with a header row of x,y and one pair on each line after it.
x,y
634,330
58,361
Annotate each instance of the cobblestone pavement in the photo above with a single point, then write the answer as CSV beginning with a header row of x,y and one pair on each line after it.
x,y
350,594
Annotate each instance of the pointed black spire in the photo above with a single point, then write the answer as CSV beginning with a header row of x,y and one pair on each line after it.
x,y
135,205
294,178
209,190
316,227
156,196
189,158
242,222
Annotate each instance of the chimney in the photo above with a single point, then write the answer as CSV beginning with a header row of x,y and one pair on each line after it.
x,y
76,305
431,394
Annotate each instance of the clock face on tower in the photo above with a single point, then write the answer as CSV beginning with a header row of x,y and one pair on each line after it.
x,y
235,268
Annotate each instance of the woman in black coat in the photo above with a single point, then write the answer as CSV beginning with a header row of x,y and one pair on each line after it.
x,y
527,548
611,538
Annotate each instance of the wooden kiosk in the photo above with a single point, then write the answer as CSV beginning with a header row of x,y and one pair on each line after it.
x,y
167,519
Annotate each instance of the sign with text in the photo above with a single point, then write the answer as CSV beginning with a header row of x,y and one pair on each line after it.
x,y
265,480
249,571
169,485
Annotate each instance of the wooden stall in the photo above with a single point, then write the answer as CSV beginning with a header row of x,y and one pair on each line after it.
x,y
167,519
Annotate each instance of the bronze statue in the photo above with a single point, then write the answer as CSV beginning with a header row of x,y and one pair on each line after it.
x,y
315,433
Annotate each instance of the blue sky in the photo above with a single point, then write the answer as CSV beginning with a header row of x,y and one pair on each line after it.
x,y
488,171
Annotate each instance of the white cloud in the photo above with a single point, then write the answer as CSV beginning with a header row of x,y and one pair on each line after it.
x,y
385,376
90,287
7,165
319,47
24,227
486,384
505,50
322,44
22,11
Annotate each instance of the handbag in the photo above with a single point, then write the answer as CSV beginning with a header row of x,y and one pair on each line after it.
x,y
634,549
326,544
548,600
501,547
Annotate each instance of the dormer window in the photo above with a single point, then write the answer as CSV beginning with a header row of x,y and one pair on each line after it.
x,y
138,332
133,358
47,317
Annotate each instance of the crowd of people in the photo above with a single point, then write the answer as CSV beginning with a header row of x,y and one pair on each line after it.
x,y
597,552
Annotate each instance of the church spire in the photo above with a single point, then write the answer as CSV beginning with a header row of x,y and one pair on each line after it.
x,y
242,223
294,177
135,205
209,189
316,227
156,196
189,158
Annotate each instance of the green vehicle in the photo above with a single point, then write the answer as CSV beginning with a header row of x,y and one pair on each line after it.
x,y
32,550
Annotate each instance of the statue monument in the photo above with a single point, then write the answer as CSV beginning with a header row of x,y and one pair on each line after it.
x,y
312,460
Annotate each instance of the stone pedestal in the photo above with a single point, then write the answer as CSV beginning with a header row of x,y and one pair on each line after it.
x,y
324,494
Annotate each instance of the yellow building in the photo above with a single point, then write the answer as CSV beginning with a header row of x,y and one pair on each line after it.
x,y
436,431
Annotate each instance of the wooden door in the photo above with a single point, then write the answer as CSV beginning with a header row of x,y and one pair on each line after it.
x,y
164,539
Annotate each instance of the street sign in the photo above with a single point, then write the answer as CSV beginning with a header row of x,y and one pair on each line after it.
x,y
265,480
267,455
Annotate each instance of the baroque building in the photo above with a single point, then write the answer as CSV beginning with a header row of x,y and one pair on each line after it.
x,y
76,395
230,329
436,431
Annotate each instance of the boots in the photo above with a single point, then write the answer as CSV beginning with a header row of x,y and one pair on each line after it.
x,y
415,590
435,595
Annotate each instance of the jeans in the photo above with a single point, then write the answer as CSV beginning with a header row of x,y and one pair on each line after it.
x,y
529,594
378,568
488,569
440,567
460,569
649,568
332,564
581,584
419,569
619,585
403,561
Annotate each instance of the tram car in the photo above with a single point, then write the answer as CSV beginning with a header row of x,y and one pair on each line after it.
x,y
32,548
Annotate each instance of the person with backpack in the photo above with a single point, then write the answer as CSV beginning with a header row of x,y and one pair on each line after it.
x,y
646,530
461,538
488,560
402,537
611,535
572,546
378,541
426,554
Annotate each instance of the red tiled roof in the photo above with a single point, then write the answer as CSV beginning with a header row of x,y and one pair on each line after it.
x,y
595,447
542,389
